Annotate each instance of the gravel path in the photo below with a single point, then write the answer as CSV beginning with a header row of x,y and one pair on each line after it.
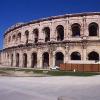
x,y
49,88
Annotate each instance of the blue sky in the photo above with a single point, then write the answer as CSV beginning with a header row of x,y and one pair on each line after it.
x,y
14,11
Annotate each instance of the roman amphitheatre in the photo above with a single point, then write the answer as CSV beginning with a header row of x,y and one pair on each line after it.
x,y
54,41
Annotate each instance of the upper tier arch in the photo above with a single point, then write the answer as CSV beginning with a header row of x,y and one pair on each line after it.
x,y
74,28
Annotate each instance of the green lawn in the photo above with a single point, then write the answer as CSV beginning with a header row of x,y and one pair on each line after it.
x,y
64,73
49,72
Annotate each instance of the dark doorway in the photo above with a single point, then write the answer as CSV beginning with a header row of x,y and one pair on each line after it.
x,y
45,60
75,56
60,33
34,60
93,29
17,60
75,30
25,60
35,32
27,36
19,37
59,58
12,60
93,56
46,31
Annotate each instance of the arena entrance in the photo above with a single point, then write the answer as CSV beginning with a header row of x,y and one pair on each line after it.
x,y
27,36
17,60
45,57
59,58
12,60
75,56
60,33
93,56
75,30
47,34
35,32
25,60
93,29
34,60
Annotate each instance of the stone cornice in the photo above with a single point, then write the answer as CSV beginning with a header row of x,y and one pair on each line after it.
x,y
16,26
68,42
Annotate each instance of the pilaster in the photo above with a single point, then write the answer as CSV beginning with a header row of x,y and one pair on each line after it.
x,y
41,35
53,34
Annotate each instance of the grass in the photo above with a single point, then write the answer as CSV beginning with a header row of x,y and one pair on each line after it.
x,y
64,73
49,72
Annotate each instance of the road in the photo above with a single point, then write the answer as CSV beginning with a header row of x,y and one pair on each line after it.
x,y
49,88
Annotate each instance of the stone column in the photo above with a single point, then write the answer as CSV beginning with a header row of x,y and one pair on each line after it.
x,y
82,28
66,30
10,59
6,59
53,34
14,58
16,40
23,39
84,52
84,55
85,27
41,34
1,57
28,59
66,56
21,59
51,58
69,30
39,59
30,38
99,25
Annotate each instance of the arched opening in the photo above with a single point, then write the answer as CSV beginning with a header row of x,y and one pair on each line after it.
x,y
9,39
17,60
45,57
25,60
8,56
34,60
35,32
19,37
75,30
75,56
8,59
93,29
93,56
13,37
12,60
59,58
27,35
60,33
46,31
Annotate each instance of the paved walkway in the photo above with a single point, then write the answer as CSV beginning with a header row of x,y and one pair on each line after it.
x,y
49,88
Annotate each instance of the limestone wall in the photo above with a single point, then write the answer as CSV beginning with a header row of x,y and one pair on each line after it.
x,y
68,34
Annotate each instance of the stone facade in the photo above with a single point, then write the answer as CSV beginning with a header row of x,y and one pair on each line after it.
x,y
72,38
